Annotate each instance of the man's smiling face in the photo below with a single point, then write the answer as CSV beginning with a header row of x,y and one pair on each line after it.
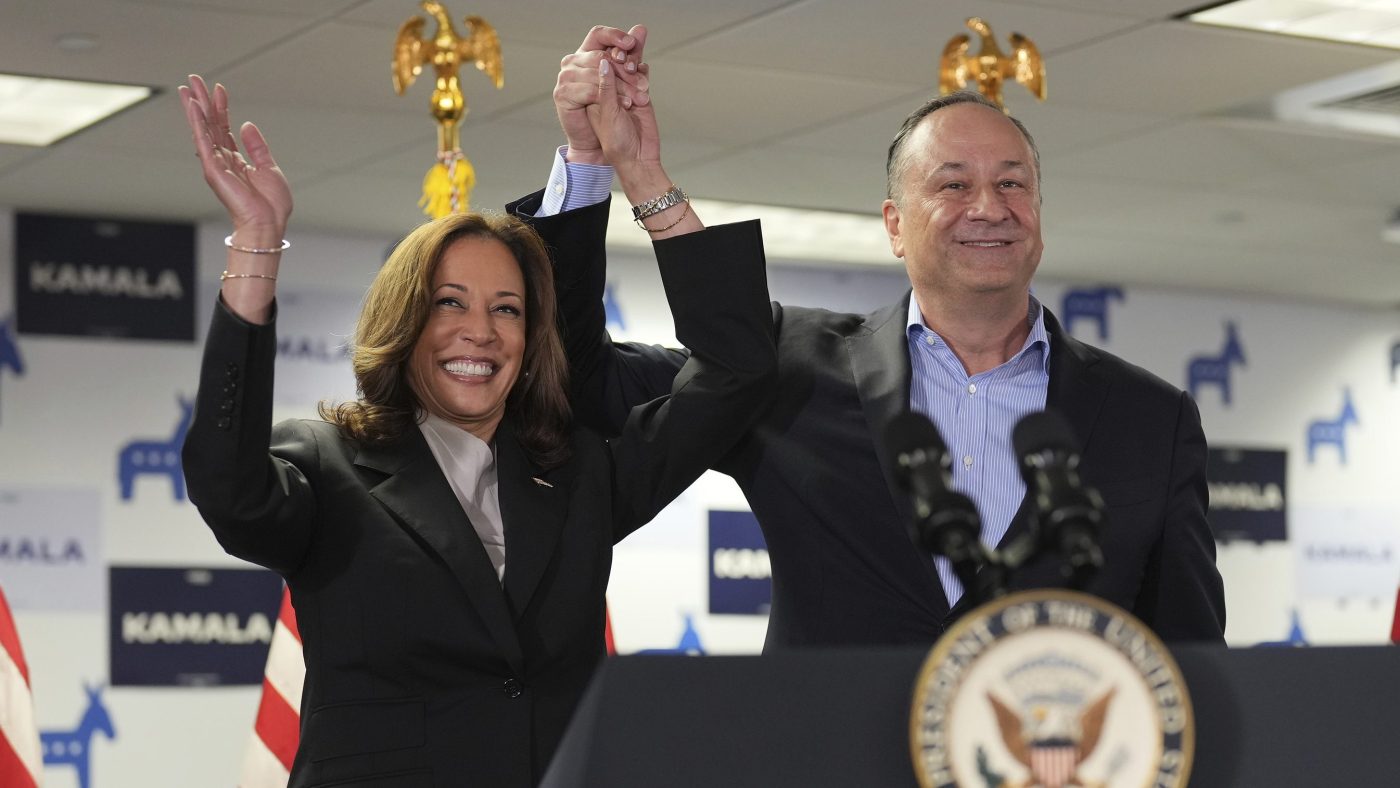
x,y
966,219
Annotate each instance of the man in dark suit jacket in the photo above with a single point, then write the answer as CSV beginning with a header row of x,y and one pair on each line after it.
x,y
964,214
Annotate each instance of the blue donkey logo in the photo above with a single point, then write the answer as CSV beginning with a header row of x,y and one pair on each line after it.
x,y
157,457
1090,304
9,348
72,748
1216,369
1333,431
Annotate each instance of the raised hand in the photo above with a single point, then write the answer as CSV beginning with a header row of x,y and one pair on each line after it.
x,y
628,136
626,131
577,85
252,188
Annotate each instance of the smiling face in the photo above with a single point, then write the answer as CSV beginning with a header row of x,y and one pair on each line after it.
x,y
967,215
470,352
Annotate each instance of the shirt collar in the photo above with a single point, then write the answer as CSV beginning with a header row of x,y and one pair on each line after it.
x,y
470,454
1037,340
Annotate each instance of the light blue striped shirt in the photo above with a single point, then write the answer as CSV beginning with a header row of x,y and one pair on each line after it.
x,y
574,185
975,416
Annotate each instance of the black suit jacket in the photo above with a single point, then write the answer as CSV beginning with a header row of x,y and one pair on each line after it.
x,y
422,669
819,480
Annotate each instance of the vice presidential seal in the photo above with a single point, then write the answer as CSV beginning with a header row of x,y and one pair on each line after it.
x,y
1051,689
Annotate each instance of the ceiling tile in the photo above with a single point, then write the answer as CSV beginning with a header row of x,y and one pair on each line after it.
x,y
1189,153
562,26
732,105
909,42
778,176
1178,68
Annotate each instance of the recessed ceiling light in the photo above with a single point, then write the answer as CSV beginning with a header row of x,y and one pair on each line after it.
x,y
41,110
1371,22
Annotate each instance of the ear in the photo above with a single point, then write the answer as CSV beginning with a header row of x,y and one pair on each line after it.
x,y
892,227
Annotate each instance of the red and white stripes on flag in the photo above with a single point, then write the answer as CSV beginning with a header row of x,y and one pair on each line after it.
x,y
267,763
21,759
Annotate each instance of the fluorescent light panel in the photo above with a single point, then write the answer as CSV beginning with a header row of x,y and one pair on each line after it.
x,y
1373,22
41,110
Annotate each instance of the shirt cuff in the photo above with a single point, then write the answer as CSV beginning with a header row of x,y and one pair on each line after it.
x,y
574,185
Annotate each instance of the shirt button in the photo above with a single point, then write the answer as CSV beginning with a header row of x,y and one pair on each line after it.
x,y
558,188
972,388
967,460
931,339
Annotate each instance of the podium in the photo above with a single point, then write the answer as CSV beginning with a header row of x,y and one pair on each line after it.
x,y
1264,717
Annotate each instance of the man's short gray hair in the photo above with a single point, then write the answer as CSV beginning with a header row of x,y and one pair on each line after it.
x,y
897,161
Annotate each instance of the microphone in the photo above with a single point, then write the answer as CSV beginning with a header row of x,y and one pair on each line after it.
x,y
946,522
1069,515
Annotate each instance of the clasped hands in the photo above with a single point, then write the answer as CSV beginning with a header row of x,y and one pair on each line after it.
x,y
603,102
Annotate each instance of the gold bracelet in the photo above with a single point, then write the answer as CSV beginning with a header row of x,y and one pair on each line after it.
x,y
227,275
684,214
250,250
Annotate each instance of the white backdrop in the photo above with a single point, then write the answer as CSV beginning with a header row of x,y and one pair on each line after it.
x,y
79,400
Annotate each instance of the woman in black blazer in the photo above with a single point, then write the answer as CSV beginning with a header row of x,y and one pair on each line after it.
x,y
447,537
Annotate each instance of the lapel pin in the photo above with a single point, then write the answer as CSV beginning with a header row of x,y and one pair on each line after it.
x,y
542,482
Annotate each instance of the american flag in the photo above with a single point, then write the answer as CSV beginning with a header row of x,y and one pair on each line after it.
x,y
267,763
21,760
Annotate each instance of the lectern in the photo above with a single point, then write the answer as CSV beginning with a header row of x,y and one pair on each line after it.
x,y
1264,717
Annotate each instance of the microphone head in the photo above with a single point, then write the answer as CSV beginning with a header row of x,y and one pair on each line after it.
x,y
1042,431
910,432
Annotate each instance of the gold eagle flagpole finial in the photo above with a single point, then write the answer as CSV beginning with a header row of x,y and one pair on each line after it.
x,y
448,184
989,68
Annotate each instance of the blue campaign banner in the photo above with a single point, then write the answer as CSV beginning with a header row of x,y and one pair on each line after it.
x,y
739,569
191,626
1248,494
91,276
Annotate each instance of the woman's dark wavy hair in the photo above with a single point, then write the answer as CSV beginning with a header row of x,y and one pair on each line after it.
x,y
396,310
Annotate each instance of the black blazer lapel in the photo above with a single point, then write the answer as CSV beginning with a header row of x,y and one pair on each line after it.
x,y
534,507
880,364
418,493
1076,392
